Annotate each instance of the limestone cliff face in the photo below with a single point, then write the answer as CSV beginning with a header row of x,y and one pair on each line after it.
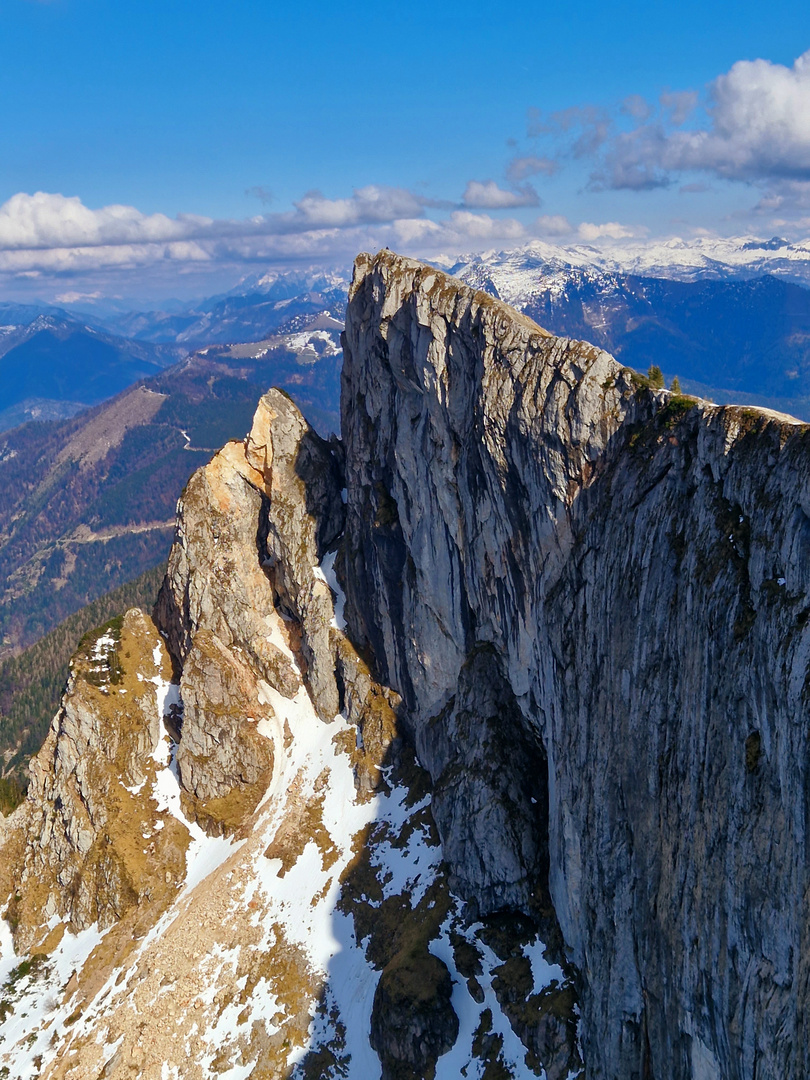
x,y
595,602
252,525
587,605
239,873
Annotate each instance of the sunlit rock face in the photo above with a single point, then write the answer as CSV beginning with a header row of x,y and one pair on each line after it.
x,y
475,746
239,872
637,567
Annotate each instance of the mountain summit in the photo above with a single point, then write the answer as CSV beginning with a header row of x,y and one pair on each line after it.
x,y
473,745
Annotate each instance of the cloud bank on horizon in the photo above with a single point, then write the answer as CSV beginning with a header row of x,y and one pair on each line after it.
x,y
50,234
749,127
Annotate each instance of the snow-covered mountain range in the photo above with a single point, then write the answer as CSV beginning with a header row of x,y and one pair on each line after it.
x,y
520,272
730,318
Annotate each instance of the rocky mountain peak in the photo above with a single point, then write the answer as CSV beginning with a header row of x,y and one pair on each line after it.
x,y
461,748
626,562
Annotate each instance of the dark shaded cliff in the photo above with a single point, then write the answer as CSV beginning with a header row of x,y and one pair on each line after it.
x,y
595,601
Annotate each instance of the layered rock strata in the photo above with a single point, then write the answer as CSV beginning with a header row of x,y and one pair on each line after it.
x,y
553,564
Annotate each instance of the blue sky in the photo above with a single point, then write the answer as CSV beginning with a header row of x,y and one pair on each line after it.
x,y
177,145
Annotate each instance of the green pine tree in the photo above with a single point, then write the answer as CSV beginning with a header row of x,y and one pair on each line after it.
x,y
656,377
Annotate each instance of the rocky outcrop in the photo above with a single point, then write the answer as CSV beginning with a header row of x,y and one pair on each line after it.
x,y
244,601
224,759
302,483
215,581
93,850
276,496
636,567
413,1023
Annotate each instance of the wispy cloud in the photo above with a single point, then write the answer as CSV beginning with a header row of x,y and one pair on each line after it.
x,y
258,191
784,194
487,195
751,124
679,105
553,225
584,128
530,165
636,106
73,297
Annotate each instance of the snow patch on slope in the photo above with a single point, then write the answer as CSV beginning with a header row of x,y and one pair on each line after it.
x,y
258,939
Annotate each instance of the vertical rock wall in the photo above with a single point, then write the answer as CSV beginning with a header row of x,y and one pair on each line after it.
x,y
637,567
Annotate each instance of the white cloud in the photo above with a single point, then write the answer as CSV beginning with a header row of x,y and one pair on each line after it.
x,y
462,226
51,222
97,251
750,124
70,260
759,126
486,195
756,127
760,122
46,220
416,231
610,229
75,297
51,235
553,225
367,204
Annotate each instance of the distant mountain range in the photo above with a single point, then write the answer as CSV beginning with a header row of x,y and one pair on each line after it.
x,y
746,341
695,259
731,317
88,503
726,333
52,365
256,308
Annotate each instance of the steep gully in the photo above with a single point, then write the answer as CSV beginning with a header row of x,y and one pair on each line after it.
x,y
585,603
